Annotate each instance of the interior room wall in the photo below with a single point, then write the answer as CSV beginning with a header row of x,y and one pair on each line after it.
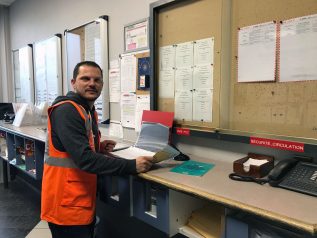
x,y
37,20
34,20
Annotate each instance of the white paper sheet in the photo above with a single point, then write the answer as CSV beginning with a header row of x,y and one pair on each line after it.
x,y
132,152
184,105
99,108
203,76
152,141
298,50
51,66
25,75
114,64
167,57
98,51
92,33
256,162
128,73
128,102
40,72
202,105
166,83
184,54
184,78
142,103
74,52
257,53
47,70
114,84
115,129
204,51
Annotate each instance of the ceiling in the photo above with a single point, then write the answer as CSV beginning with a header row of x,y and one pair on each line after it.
x,y
6,2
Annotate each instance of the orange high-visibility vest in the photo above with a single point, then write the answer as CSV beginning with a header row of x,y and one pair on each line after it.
x,y
68,193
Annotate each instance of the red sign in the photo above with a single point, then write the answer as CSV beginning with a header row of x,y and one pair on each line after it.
x,y
182,131
277,144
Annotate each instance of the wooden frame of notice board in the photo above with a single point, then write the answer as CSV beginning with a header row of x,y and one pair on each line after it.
x,y
176,22
235,113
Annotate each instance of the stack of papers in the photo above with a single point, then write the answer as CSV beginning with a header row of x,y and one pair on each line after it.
x,y
251,161
152,141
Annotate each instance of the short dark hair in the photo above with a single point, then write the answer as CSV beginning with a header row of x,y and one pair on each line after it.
x,y
88,63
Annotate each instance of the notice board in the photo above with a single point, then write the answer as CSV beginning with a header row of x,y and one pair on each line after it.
x,y
283,109
276,108
184,21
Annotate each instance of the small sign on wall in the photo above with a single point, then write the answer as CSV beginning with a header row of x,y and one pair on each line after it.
x,y
136,36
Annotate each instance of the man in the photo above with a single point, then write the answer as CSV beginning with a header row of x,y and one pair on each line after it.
x,y
76,155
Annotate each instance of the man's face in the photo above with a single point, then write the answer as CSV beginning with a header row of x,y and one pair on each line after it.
x,y
88,83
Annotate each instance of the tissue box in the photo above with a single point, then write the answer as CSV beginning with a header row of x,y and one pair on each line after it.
x,y
256,171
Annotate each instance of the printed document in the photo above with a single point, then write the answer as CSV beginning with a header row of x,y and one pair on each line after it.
x,y
257,53
128,102
184,54
184,78
166,83
152,141
204,51
184,105
298,54
167,57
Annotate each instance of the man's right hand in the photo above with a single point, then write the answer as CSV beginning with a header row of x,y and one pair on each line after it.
x,y
144,163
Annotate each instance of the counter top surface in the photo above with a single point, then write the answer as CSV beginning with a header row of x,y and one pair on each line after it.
x,y
34,132
277,204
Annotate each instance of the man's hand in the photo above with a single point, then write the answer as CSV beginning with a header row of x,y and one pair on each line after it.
x,y
107,146
144,163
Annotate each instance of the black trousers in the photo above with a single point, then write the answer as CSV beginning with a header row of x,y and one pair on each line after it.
x,y
80,231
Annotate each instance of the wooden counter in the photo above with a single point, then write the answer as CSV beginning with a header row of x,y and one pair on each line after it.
x,y
277,204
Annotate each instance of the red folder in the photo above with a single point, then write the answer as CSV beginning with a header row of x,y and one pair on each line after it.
x,y
165,118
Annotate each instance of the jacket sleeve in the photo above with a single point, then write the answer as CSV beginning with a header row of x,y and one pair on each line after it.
x,y
69,134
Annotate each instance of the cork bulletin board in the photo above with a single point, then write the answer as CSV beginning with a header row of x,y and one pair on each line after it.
x,y
278,108
185,21
282,109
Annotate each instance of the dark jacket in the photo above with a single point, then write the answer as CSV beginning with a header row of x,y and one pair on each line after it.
x,y
69,134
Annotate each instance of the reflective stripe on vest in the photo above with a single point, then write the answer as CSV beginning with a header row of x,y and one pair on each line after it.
x,y
65,162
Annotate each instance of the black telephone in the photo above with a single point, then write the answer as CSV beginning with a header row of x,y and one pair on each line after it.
x,y
280,170
290,174
295,175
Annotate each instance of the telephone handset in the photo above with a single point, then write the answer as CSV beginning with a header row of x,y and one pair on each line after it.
x,y
280,170
295,175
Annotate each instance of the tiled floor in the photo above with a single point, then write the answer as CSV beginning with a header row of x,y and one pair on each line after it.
x,y
41,230
19,210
